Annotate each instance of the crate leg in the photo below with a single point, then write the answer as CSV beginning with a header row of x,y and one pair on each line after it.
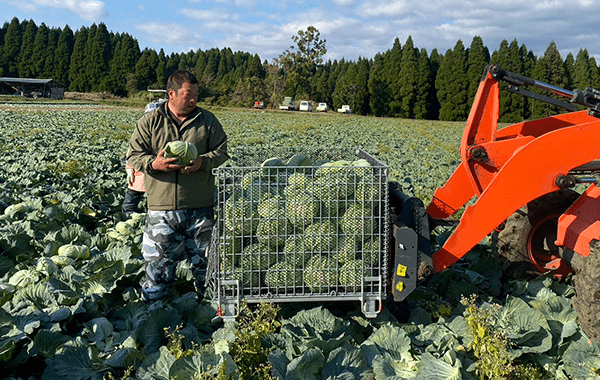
x,y
371,305
228,299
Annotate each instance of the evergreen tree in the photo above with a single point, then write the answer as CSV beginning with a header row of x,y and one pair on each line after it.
x,y
512,105
62,56
3,32
422,106
407,81
77,79
478,59
12,47
344,90
161,70
361,81
569,69
2,62
122,66
39,52
88,71
212,65
529,60
393,60
200,59
98,58
172,64
48,68
585,71
378,87
595,74
452,84
320,84
255,67
145,70
226,65
434,104
549,69
25,61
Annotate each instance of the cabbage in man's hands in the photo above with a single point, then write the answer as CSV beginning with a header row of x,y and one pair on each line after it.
x,y
183,150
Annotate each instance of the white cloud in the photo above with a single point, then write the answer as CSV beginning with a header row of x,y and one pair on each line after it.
x,y
214,15
169,34
352,28
90,10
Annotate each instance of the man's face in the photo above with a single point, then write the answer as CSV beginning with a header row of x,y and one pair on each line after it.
x,y
183,101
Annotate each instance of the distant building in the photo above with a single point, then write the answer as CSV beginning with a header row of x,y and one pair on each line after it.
x,y
31,87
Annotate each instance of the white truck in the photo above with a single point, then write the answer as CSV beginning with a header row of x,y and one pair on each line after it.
x,y
306,106
288,104
322,107
345,109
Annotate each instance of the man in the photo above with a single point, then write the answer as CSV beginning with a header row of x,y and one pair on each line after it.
x,y
180,198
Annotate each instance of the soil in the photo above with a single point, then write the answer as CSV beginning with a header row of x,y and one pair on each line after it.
x,y
587,290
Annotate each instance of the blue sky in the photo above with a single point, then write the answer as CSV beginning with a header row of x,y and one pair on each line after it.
x,y
351,28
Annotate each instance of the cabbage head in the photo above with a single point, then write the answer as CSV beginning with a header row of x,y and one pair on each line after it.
x,y
74,251
183,150
46,265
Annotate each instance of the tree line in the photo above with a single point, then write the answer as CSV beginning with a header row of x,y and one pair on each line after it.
x,y
404,81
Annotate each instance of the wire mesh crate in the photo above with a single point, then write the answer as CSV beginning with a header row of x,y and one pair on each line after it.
x,y
300,225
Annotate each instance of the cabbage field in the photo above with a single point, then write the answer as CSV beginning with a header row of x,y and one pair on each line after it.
x,y
70,267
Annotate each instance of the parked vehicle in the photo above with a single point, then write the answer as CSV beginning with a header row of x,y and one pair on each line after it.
x,y
259,105
345,109
288,104
322,107
154,105
306,106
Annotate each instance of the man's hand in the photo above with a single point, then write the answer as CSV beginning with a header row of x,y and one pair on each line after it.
x,y
165,164
194,165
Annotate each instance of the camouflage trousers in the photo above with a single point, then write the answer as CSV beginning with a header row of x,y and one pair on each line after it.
x,y
170,237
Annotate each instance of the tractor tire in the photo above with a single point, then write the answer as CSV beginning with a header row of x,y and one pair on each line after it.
x,y
526,242
586,283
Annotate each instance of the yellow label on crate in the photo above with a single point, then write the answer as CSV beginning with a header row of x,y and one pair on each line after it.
x,y
401,270
400,286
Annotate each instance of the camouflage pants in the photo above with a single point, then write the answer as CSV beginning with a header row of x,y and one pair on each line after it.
x,y
170,237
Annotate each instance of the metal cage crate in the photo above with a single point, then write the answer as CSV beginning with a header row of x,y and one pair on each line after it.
x,y
300,225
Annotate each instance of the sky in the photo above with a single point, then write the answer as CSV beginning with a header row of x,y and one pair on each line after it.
x,y
351,28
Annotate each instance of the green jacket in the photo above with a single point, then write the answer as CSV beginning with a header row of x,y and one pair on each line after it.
x,y
175,190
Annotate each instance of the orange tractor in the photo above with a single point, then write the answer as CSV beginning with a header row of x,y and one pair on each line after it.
x,y
520,180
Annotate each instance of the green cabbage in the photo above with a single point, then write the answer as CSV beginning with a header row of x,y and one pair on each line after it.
x,y
24,277
46,265
74,251
183,150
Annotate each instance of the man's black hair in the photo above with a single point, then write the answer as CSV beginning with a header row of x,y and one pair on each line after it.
x,y
178,78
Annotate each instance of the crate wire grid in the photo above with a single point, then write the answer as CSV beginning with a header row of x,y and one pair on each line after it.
x,y
286,233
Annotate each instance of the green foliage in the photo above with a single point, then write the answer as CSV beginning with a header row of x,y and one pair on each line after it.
x,y
452,84
247,349
83,319
491,346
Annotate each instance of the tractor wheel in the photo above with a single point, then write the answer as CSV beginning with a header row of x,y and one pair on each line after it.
x,y
526,243
587,290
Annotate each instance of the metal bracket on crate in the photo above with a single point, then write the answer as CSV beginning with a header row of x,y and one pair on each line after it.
x,y
229,306
371,305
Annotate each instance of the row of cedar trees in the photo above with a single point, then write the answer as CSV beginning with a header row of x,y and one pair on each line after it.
x,y
404,81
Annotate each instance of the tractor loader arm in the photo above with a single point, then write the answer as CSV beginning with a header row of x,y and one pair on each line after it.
x,y
505,169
